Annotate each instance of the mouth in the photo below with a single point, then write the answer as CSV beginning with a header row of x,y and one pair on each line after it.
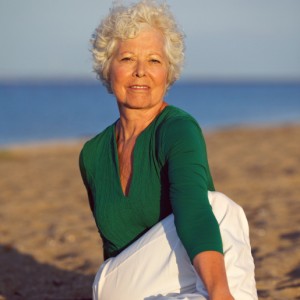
x,y
138,87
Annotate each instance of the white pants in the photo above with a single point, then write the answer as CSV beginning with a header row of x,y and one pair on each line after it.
x,y
156,266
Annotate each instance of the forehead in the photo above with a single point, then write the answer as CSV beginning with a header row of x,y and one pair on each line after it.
x,y
150,40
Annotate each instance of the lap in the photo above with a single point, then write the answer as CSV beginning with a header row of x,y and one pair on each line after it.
x,y
157,266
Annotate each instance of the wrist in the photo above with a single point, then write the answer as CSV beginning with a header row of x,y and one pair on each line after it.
x,y
221,295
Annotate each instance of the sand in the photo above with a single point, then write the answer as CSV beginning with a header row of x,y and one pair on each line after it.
x,y
49,244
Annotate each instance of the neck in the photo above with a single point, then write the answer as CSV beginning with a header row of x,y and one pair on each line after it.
x,y
133,122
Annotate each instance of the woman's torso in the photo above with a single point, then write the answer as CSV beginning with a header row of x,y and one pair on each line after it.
x,y
121,218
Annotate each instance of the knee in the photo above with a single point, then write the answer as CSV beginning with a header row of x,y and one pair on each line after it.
x,y
227,212
222,205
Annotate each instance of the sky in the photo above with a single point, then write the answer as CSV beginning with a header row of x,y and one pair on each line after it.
x,y
225,39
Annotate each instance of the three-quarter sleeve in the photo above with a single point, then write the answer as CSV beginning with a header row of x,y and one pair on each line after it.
x,y
190,179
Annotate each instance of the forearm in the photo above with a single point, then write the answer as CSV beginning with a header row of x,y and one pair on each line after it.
x,y
211,269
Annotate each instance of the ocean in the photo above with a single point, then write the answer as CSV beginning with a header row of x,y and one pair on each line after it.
x,y
48,111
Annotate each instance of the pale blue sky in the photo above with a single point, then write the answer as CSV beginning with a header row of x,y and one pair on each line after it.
x,y
226,39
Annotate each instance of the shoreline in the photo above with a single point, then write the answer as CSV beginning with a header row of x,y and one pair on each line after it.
x,y
51,143
73,141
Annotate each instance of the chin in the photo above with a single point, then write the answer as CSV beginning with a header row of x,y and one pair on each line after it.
x,y
137,104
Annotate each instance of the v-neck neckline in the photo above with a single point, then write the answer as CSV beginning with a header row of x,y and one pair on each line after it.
x,y
116,156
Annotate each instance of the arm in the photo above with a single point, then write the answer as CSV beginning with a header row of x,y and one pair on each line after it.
x,y
195,222
210,267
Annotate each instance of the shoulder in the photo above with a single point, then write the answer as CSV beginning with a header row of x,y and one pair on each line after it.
x,y
93,147
173,113
179,132
101,137
176,121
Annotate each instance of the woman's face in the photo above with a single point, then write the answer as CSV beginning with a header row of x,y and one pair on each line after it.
x,y
139,71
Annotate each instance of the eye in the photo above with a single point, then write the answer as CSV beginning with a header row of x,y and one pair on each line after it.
x,y
126,59
154,61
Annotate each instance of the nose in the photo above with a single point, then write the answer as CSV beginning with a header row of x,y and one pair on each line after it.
x,y
140,69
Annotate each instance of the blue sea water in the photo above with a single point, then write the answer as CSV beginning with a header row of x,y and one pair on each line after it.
x,y
38,112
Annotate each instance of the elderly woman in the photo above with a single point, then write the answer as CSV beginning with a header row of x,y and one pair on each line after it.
x,y
148,179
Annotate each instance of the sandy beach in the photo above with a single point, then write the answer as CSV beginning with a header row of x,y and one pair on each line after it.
x,y
49,245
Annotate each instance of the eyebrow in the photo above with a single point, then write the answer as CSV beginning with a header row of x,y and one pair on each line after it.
x,y
148,54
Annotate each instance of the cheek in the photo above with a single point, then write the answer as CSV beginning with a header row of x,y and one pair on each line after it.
x,y
117,80
117,73
163,77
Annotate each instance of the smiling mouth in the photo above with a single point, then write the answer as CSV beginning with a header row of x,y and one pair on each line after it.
x,y
139,87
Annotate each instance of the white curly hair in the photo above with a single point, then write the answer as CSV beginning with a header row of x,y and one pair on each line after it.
x,y
125,22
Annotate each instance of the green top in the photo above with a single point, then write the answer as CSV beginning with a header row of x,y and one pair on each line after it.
x,y
170,174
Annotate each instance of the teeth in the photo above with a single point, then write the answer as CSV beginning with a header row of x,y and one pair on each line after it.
x,y
139,87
